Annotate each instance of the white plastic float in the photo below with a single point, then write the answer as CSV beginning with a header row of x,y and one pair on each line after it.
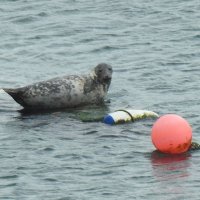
x,y
128,115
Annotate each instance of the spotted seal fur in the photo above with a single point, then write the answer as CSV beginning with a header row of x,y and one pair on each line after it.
x,y
65,92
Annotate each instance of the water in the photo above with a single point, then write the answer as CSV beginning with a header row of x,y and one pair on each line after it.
x,y
153,47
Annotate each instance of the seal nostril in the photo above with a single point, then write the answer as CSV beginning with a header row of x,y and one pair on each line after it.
x,y
107,78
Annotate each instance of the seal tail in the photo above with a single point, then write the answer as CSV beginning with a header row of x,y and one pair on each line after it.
x,y
16,94
1,90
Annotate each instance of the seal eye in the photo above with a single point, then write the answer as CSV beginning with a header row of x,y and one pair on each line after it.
x,y
110,69
100,70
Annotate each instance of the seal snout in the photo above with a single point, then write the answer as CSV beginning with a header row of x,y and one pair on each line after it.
x,y
107,78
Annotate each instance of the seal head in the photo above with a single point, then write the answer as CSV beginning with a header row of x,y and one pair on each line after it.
x,y
103,74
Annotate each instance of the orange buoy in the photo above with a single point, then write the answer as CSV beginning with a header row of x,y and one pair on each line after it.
x,y
171,134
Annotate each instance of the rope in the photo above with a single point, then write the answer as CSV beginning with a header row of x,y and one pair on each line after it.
x,y
194,146
132,119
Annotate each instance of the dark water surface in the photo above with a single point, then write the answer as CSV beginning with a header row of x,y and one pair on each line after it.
x,y
154,48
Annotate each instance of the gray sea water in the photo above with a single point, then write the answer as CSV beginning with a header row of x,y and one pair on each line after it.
x,y
154,48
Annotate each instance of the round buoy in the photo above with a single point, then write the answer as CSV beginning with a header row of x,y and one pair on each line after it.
x,y
171,134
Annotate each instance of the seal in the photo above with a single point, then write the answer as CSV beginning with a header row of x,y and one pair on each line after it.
x,y
65,92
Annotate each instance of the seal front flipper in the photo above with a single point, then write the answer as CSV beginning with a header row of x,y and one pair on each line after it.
x,y
16,94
